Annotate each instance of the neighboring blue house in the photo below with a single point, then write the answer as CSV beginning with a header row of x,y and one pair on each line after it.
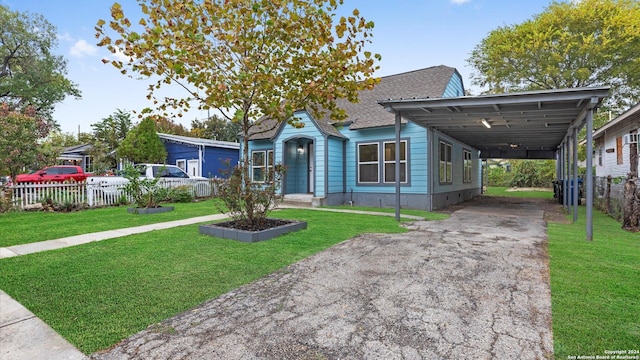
x,y
200,157
353,161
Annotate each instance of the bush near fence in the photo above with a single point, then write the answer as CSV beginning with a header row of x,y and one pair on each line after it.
x,y
96,194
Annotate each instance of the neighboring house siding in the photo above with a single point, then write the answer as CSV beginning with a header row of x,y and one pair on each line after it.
x,y
212,162
610,164
179,152
215,159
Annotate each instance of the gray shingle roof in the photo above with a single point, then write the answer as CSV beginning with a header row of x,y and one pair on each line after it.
x,y
429,82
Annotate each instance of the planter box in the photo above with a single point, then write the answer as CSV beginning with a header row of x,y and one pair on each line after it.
x,y
251,236
157,210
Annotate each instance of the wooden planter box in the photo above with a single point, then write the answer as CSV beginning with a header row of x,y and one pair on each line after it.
x,y
251,236
157,210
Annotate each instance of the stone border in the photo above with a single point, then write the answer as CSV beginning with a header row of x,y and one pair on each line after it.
x,y
145,211
251,236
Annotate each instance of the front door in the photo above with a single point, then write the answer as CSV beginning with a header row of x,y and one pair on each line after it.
x,y
193,168
311,170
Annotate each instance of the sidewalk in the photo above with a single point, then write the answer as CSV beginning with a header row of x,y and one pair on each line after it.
x,y
23,336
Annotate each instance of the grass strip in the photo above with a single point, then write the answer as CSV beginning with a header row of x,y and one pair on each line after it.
x,y
502,191
99,293
595,287
27,227
427,215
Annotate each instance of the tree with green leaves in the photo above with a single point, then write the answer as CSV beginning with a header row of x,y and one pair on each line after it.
x,y
168,126
216,128
142,144
20,132
30,74
113,129
570,44
247,59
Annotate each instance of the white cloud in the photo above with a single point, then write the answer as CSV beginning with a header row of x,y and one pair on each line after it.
x,y
459,2
120,56
82,48
65,37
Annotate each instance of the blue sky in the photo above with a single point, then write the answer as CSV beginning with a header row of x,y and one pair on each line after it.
x,y
409,34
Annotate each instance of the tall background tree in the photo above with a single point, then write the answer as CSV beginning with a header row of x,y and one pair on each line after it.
x,y
570,44
142,144
106,137
20,133
247,59
30,74
216,128
113,129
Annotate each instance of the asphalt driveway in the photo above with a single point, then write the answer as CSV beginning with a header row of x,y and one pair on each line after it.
x,y
473,286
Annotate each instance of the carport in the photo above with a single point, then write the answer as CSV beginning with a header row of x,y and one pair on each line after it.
x,y
526,125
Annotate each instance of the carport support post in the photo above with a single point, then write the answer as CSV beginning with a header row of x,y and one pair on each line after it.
x,y
576,188
397,167
589,174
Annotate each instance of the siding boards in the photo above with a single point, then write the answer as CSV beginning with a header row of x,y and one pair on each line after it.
x,y
610,165
335,170
417,155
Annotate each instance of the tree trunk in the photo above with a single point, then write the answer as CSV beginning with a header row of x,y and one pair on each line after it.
x,y
631,207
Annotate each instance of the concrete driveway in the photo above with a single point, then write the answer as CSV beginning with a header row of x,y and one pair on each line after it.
x,y
475,286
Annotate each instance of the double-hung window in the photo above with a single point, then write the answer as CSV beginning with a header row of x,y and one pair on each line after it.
x,y
390,161
261,165
377,162
446,166
368,163
466,166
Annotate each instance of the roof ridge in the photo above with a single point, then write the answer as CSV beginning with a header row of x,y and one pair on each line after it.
x,y
417,70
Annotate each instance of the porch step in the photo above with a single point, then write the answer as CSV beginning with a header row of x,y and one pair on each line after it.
x,y
301,200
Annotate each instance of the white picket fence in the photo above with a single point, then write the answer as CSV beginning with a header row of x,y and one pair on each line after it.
x,y
96,193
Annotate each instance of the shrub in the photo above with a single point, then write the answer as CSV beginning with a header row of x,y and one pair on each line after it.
x,y
181,194
145,192
249,203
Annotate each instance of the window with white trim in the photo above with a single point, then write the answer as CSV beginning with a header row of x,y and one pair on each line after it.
x,y
182,164
368,163
466,166
390,161
446,165
261,165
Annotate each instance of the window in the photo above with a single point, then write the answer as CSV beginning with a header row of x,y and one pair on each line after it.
x,y
600,156
368,163
87,163
466,166
390,162
445,163
261,165
182,164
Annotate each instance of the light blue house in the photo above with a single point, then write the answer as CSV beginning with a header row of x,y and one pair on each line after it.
x,y
353,161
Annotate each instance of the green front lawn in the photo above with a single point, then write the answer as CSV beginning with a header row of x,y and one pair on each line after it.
x,y
595,287
27,227
99,293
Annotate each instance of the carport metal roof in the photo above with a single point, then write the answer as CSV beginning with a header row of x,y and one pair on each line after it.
x,y
525,125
